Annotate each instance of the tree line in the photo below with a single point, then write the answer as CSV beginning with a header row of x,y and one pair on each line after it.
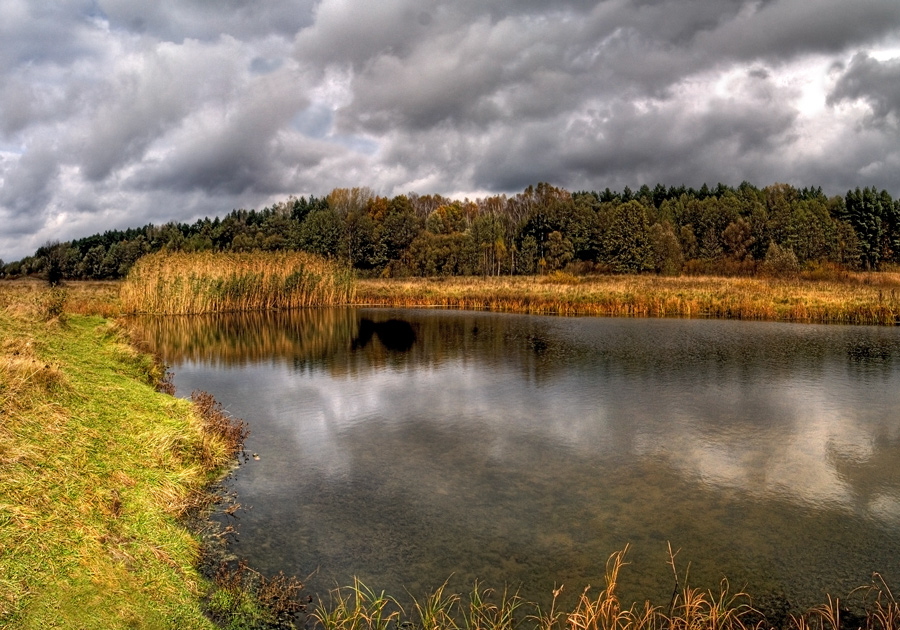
x,y
674,230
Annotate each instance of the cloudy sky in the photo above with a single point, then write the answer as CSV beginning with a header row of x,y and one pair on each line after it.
x,y
116,113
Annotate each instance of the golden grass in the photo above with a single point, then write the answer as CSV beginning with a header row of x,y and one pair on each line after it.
x,y
849,298
357,607
183,283
872,298
31,297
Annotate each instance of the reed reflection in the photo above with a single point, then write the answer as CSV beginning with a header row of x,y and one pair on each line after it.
x,y
639,348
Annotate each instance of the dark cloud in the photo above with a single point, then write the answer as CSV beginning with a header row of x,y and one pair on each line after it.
x,y
45,32
233,150
27,183
115,113
728,140
154,91
786,28
874,82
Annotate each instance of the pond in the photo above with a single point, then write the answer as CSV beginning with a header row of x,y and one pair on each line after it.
x,y
407,447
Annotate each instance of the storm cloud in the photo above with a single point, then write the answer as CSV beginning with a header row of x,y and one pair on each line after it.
x,y
116,114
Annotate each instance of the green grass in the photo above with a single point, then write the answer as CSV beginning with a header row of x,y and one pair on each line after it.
x,y
96,469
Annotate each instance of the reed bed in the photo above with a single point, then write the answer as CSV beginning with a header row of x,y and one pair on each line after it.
x,y
358,607
193,283
856,299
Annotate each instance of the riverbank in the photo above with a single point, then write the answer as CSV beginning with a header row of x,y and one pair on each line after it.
x,y
97,472
858,298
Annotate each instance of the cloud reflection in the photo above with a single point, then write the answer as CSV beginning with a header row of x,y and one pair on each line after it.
x,y
504,435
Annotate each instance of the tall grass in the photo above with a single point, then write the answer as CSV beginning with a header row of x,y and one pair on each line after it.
x,y
182,283
871,298
31,296
357,607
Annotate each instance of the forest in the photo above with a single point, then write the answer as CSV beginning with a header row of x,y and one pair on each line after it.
x,y
676,230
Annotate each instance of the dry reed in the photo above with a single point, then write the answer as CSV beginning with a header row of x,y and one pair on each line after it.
x,y
872,298
358,607
183,283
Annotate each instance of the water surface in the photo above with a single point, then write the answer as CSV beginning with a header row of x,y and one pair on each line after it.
x,y
406,447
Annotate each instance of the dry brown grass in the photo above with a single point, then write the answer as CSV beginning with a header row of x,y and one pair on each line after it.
x,y
219,429
33,298
872,298
182,283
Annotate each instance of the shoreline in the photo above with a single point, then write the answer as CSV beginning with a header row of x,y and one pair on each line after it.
x,y
105,481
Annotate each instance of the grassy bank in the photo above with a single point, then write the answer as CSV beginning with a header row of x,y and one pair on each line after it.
x,y
97,469
854,298
180,283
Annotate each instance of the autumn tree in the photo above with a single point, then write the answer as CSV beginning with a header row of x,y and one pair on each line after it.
x,y
666,249
737,239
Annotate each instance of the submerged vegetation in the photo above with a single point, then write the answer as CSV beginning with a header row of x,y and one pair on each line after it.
x,y
206,283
